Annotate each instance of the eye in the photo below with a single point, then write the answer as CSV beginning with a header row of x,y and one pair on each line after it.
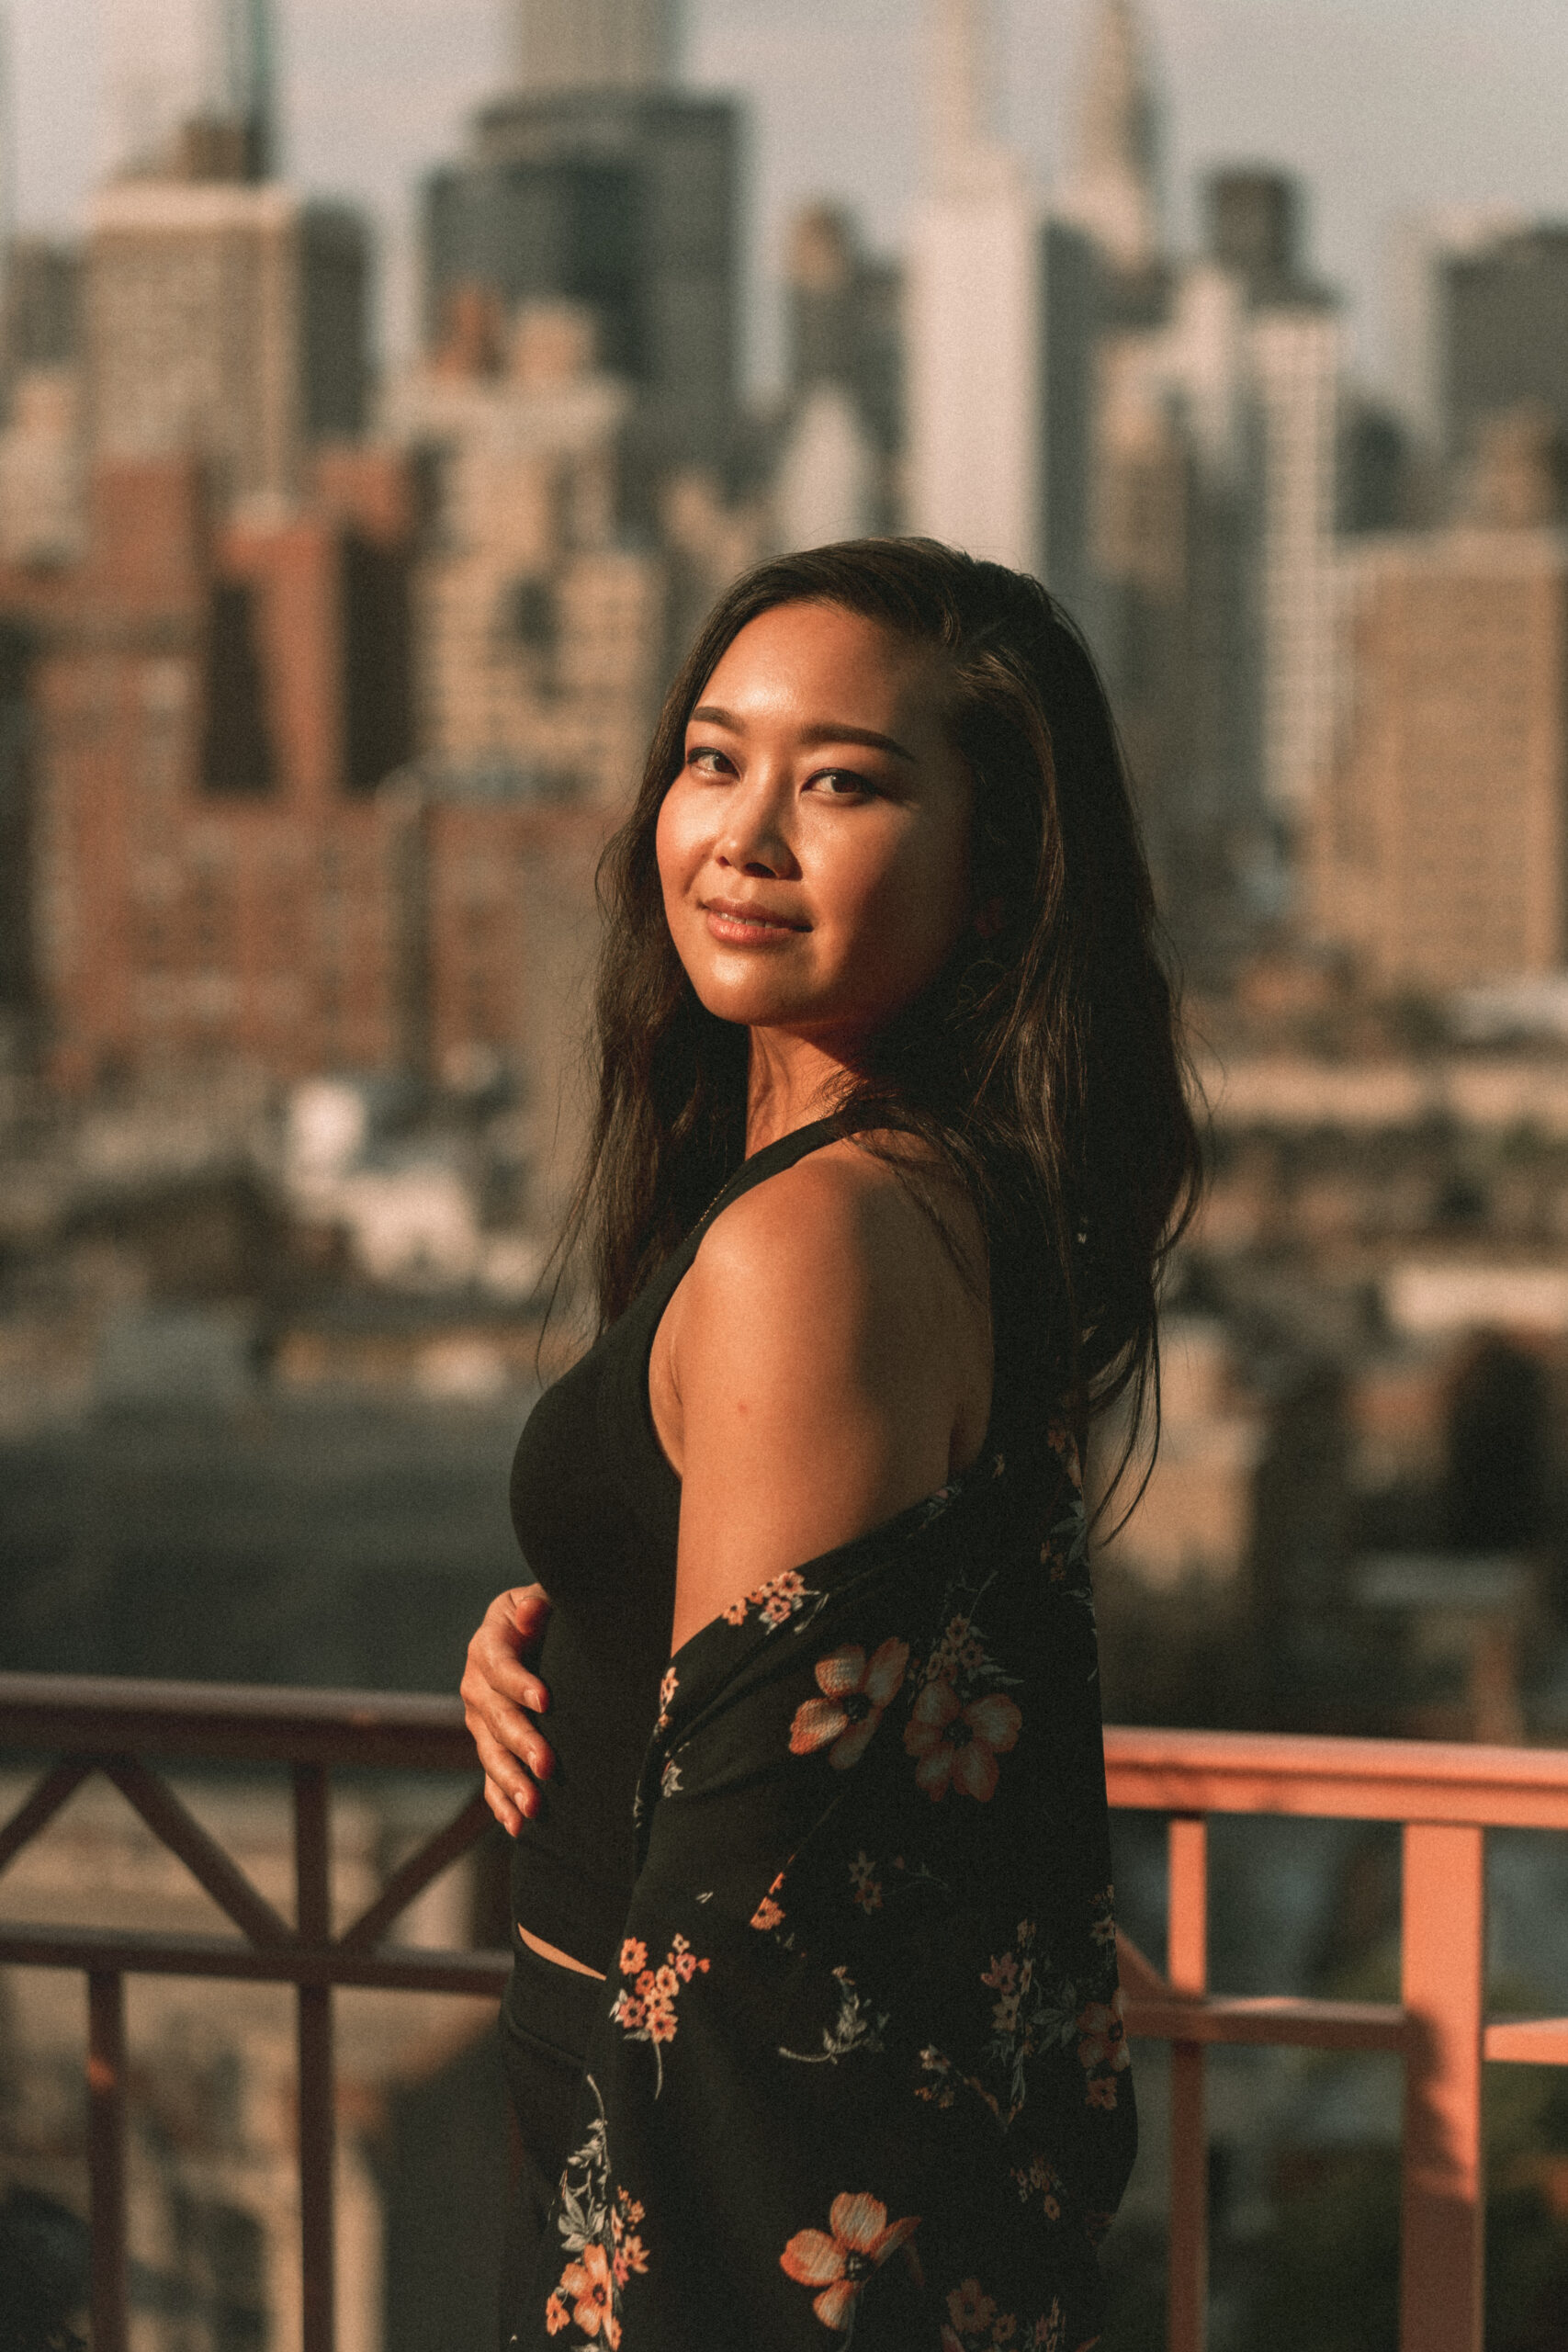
x,y
841,784
706,759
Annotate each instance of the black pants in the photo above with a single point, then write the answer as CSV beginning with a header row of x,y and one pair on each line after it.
x,y
545,2023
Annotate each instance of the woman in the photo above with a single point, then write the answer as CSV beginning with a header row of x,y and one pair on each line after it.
x,y
891,1139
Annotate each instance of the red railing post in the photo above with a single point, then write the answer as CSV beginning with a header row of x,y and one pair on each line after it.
x,y
317,2133
1443,2210
1187,1966
105,2155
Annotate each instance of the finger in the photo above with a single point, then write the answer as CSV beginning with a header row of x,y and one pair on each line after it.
x,y
500,1805
514,1768
496,1663
511,1785
493,1664
513,1810
497,1646
524,1606
519,1688
516,1735
530,1609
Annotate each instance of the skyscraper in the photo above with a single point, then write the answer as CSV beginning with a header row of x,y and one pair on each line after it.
x,y
188,89
597,183
1113,185
1175,550
974,462
1254,221
1218,470
1002,315
1294,358
1420,249
596,44
835,477
1297,358
1503,331
844,313
225,316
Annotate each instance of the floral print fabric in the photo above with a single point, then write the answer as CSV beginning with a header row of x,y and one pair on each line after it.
x,y
602,2247
861,2075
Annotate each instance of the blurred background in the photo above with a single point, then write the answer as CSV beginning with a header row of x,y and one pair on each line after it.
x,y
387,390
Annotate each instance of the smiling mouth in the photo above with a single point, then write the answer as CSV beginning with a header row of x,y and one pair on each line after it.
x,y
743,925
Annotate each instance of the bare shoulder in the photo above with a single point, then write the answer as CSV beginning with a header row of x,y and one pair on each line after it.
x,y
825,1367
845,1214
837,1195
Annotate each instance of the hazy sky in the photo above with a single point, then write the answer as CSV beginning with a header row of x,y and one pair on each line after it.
x,y
1382,104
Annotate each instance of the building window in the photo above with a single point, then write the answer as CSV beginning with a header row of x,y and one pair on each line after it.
x,y
379,663
237,753
533,619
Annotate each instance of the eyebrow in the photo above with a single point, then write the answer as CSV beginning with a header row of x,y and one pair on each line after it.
x,y
833,733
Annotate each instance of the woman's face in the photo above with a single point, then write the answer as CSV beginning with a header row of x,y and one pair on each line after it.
x,y
814,848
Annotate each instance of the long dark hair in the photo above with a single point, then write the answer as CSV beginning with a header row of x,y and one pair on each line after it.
x,y
1041,1064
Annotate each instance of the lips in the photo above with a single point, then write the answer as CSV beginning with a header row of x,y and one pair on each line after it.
x,y
738,919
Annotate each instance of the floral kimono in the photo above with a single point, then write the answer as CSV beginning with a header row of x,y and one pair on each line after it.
x,y
861,2073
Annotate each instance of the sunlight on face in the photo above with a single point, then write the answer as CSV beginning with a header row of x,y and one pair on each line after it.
x,y
814,848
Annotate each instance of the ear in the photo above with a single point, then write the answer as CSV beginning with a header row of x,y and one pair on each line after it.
x,y
991,916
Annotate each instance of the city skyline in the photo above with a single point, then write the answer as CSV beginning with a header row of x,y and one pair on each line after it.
x,y
1376,121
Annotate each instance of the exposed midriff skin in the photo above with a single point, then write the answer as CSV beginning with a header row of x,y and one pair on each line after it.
x,y
823,1363
562,1958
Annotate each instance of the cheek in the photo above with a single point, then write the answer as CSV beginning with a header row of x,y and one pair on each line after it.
x,y
671,845
912,911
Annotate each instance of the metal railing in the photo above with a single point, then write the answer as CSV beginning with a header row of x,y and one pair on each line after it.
x,y
112,1727
1446,1797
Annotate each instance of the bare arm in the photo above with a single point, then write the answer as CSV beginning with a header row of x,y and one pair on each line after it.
x,y
826,1367
499,1696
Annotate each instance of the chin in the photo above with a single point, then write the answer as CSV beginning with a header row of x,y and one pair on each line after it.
x,y
749,1008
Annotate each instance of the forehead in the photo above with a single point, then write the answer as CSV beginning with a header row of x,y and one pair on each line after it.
x,y
811,662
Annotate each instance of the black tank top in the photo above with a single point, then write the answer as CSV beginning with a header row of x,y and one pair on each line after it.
x,y
597,1511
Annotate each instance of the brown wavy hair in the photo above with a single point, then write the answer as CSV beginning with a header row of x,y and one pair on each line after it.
x,y
1042,1064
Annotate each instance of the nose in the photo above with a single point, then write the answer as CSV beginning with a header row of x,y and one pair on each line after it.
x,y
755,835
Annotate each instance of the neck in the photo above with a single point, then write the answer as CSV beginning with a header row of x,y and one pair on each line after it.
x,y
789,1081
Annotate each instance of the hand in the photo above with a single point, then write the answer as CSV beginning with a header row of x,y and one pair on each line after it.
x,y
499,1696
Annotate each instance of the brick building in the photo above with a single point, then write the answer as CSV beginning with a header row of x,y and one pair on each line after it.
x,y
1440,853
325,735
233,858
213,875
